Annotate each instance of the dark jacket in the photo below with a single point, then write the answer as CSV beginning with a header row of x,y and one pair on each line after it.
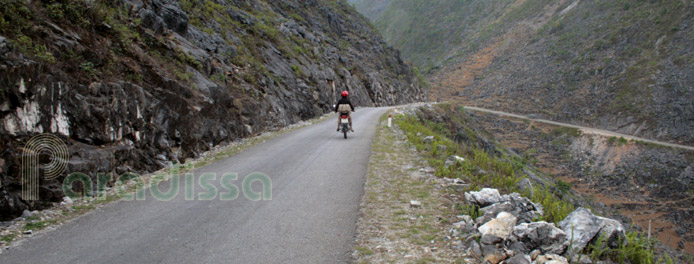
x,y
344,100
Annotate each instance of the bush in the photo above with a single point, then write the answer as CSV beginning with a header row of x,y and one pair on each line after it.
x,y
298,71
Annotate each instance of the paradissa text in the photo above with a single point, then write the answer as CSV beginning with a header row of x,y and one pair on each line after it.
x,y
209,191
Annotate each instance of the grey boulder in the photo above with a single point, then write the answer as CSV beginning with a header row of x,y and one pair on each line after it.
x,y
543,236
583,226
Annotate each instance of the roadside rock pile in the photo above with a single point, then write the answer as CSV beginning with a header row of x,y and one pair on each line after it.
x,y
505,231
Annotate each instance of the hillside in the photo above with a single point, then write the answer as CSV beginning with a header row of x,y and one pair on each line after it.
x,y
132,86
626,66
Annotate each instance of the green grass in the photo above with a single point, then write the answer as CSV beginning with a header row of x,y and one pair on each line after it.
x,y
364,251
468,209
35,225
7,238
611,140
298,72
563,186
638,250
571,131
83,208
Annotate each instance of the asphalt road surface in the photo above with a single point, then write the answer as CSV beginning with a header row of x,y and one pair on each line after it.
x,y
317,182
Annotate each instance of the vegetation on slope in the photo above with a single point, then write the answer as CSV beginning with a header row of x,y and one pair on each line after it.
x,y
489,165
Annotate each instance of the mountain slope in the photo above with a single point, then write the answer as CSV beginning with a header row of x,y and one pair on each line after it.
x,y
626,66
132,85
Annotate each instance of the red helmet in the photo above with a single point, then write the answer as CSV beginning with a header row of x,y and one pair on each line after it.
x,y
345,93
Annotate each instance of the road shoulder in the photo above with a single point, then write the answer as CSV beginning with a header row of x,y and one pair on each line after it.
x,y
404,210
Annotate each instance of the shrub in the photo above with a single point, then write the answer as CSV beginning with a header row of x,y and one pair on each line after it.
x,y
298,71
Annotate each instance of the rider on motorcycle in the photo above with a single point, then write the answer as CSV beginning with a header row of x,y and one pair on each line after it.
x,y
345,109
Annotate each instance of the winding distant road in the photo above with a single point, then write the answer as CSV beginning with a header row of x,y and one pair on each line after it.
x,y
317,182
585,130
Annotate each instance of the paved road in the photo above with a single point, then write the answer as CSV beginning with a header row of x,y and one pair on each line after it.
x,y
585,130
317,179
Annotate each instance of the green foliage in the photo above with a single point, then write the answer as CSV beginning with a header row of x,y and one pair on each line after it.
x,y
134,77
343,44
35,225
599,248
364,251
55,11
622,141
298,71
563,186
250,78
297,17
468,209
571,131
555,209
88,68
611,140
7,238
37,51
638,249
267,30
15,18
421,80
299,50
188,59
218,78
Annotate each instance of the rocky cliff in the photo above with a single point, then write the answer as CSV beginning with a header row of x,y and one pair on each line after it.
x,y
132,85
619,65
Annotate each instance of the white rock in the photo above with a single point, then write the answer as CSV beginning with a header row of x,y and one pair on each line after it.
x,y
27,213
582,226
452,160
465,218
501,226
415,204
551,259
428,139
67,200
484,197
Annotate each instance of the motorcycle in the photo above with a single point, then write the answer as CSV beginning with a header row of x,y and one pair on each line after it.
x,y
344,124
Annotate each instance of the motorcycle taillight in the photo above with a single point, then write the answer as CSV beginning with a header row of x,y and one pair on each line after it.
x,y
344,116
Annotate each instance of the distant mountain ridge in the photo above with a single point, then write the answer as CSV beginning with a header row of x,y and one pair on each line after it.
x,y
626,66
